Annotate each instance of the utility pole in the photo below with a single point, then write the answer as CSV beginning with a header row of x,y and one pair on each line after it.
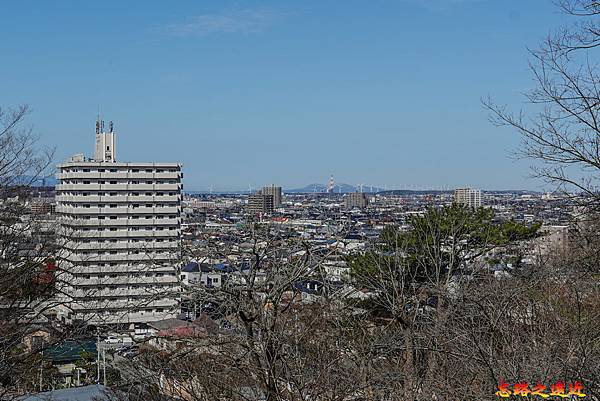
x,y
98,356
104,367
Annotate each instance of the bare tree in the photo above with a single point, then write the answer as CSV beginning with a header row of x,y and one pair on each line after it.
x,y
28,253
561,131
22,161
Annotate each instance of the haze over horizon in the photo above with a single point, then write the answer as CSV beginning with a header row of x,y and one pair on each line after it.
x,y
378,93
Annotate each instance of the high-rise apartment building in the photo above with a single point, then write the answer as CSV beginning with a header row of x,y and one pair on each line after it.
x,y
121,228
468,197
275,192
356,200
260,204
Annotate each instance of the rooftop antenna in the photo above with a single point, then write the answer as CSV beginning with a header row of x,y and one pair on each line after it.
x,y
110,127
99,124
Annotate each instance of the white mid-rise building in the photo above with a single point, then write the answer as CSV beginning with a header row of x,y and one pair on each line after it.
x,y
468,197
120,223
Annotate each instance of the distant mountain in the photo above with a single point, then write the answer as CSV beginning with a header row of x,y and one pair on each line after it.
x,y
415,192
338,188
347,188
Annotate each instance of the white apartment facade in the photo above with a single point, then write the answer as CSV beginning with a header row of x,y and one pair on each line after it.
x,y
121,226
468,197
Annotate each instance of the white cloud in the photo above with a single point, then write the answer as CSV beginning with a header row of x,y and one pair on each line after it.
x,y
242,21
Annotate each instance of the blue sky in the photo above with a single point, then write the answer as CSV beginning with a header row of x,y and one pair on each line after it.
x,y
378,92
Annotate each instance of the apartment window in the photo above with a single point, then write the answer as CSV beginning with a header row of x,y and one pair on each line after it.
x,y
113,170
113,182
86,170
135,170
148,170
113,217
100,170
86,182
149,182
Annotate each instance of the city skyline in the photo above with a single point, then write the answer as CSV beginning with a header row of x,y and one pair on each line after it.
x,y
315,89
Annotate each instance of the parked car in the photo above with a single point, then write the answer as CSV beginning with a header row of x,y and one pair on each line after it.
x,y
113,340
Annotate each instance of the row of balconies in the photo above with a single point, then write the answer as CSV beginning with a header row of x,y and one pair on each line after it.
x,y
119,198
119,175
122,245
128,198
119,222
123,233
141,282
109,317
129,269
117,210
124,281
82,301
141,293
118,187
140,257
